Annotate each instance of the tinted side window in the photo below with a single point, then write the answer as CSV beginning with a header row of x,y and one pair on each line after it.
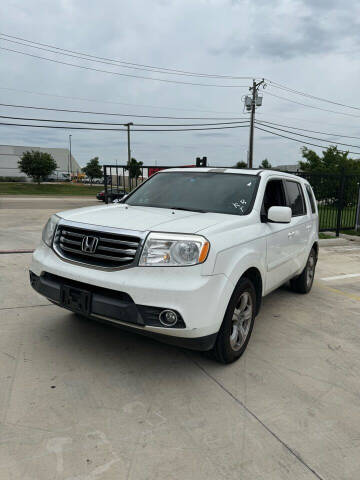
x,y
274,195
295,198
311,198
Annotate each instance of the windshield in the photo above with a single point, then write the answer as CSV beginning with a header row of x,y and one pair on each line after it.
x,y
230,193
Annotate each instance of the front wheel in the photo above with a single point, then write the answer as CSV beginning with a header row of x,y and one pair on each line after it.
x,y
304,282
235,331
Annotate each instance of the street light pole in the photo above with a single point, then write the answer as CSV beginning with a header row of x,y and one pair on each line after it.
x,y
70,162
128,125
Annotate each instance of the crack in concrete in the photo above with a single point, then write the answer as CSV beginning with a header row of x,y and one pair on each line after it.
x,y
29,306
255,417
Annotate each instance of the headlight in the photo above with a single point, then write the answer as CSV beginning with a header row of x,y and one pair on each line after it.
x,y
49,230
172,249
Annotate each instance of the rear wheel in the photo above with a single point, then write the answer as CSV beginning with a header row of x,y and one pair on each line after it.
x,y
238,323
304,282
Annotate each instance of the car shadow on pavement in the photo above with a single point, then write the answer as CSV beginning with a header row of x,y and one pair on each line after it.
x,y
98,342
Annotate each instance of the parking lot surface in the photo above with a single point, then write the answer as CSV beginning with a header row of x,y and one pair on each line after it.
x,y
80,400
22,217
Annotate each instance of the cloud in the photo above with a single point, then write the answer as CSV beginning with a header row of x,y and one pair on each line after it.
x,y
212,135
285,30
267,137
300,43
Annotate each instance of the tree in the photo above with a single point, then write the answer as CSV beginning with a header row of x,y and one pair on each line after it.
x,y
93,169
240,165
332,161
134,168
265,164
37,165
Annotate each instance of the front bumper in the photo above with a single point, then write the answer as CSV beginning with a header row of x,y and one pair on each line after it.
x,y
201,300
116,308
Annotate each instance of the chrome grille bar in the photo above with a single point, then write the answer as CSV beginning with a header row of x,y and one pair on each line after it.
x,y
107,257
115,248
129,251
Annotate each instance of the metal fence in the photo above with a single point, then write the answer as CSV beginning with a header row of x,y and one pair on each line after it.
x,y
338,198
338,195
117,178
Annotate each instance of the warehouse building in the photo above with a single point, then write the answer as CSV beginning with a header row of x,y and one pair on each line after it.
x,y
10,155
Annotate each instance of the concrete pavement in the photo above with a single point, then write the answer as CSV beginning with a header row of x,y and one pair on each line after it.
x,y
85,401
23,217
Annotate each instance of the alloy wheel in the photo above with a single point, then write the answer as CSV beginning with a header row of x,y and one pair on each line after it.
x,y
310,269
241,321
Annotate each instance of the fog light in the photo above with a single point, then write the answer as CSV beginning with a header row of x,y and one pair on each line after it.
x,y
168,318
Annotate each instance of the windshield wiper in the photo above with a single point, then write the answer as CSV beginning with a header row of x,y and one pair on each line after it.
x,y
188,209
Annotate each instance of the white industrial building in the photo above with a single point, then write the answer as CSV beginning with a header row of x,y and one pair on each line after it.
x,y
11,154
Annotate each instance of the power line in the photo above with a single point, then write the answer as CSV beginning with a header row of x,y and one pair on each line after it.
x,y
311,106
123,74
301,141
121,129
284,117
121,124
308,95
263,122
122,62
112,102
151,68
89,59
308,136
117,114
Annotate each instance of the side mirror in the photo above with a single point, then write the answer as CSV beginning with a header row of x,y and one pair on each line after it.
x,y
279,215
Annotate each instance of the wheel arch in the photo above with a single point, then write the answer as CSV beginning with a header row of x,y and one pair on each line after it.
x,y
316,248
254,275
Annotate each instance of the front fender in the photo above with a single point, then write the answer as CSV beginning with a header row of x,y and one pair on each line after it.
x,y
235,260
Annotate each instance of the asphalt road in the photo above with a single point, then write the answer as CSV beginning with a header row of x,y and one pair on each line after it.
x,y
83,401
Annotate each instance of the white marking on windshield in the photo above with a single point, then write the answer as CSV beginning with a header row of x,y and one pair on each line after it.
x,y
239,207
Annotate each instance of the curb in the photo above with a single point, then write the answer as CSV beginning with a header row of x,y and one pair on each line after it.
x,y
351,238
332,242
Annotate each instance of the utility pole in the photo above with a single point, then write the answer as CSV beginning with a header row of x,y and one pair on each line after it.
x,y
251,103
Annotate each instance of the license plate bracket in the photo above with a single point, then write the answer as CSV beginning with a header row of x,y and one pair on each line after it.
x,y
75,299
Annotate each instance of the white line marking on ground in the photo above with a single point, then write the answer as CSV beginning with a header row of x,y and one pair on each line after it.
x,y
340,277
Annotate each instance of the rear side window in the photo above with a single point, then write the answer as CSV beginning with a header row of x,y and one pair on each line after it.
x,y
311,198
295,198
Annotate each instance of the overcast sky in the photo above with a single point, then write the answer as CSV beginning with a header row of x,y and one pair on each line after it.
x,y
308,45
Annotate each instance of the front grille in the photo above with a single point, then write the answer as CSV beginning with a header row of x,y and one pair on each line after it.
x,y
113,250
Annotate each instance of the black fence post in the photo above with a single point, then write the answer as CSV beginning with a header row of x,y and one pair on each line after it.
x,y
357,214
340,203
105,185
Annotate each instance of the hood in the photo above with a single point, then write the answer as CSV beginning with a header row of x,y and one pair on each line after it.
x,y
144,218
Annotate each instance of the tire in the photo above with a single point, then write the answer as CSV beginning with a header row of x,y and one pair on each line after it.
x,y
304,282
238,323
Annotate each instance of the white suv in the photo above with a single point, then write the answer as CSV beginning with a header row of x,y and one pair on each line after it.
x,y
186,257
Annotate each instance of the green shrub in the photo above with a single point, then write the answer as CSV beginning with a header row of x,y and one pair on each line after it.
x,y
11,179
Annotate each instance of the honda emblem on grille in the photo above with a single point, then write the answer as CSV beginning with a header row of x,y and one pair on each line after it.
x,y
89,244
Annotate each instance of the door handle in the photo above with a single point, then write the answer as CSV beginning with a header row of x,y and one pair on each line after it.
x,y
291,234
308,227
